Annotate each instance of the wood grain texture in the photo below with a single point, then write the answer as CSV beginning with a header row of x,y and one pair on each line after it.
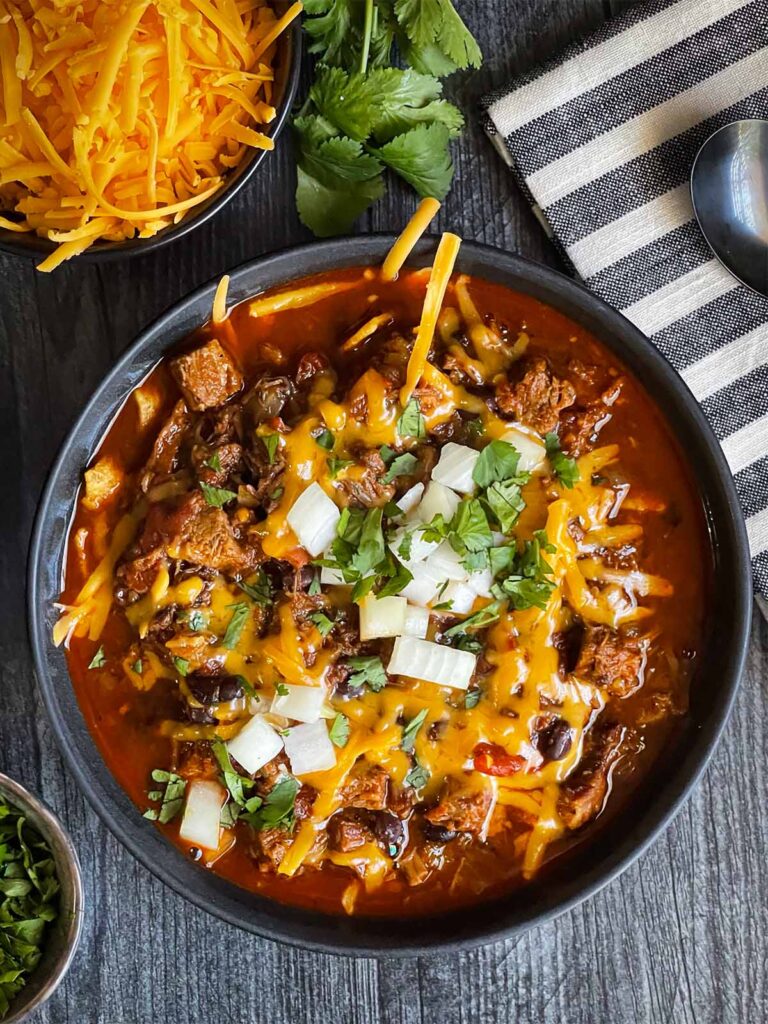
x,y
681,937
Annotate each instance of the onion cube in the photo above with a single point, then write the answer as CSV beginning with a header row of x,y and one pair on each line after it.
x,y
424,585
418,548
437,500
408,501
381,616
455,467
202,812
445,564
301,703
309,748
313,517
533,455
459,596
332,577
255,744
416,621
435,663
481,582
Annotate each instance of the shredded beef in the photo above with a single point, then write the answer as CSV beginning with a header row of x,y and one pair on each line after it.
x,y
366,787
365,489
536,398
165,451
228,456
207,376
461,809
347,832
583,793
611,660
582,424
272,844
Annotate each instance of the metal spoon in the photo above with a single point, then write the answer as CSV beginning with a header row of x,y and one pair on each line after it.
x,y
729,189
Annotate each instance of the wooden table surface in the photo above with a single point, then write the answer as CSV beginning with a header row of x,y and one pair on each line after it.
x,y
681,937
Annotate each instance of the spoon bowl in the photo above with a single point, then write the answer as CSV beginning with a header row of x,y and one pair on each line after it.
x,y
729,190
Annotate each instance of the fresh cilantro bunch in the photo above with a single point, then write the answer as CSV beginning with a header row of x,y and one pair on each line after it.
x,y
364,115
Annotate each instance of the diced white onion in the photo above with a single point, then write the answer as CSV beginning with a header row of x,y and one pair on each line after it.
x,y
332,577
202,811
423,659
255,744
445,564
416,621
313,517
460,596
455,467
481,582
408,501
302,703
419,548
424,585
533,456
437,500
309,748
381,616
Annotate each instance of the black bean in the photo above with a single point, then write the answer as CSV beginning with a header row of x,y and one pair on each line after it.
x,y
555,740
389,831
214,689
436,833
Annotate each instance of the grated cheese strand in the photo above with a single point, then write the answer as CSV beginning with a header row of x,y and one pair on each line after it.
x,y
403,247
439,278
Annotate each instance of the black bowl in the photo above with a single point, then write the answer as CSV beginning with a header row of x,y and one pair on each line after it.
x,y
287,72
570,879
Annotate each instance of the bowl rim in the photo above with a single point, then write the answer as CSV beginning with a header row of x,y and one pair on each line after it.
x,y
25,800
451,931
32,246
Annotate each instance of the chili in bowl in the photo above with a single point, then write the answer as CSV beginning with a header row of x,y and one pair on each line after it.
x,y
387,595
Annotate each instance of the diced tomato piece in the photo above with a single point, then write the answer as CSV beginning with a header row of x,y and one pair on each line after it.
x,y
493,759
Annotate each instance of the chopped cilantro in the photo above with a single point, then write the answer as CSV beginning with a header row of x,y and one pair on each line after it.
x,y
171,797
234,630
411,729
479,620
472,699
28,887
469,527
276,810
322,623
270,442
367,671
335,466
325,439
138,667
397,581
314,586
528,584
236,784
339,730
436,529
417,777
99,659
217,496
281,689
475,429
259,589
214,463
181,665
566,470
403,465
505,500
411,422
195,619
498,461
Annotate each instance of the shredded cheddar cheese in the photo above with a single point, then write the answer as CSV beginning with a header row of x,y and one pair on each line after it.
x,y
118,118
414,229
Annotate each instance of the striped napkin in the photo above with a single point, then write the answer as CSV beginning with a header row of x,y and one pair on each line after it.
x,y
602,140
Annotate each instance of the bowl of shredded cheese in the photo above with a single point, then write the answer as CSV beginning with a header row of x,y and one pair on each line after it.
x,y
124,124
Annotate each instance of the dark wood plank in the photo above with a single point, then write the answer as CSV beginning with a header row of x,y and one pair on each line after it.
x,y
679,938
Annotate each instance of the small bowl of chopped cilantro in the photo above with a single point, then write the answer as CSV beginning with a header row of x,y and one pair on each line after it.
x,y
41,902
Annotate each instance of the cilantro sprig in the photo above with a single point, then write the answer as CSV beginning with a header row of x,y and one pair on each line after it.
x,y
364,115
566,470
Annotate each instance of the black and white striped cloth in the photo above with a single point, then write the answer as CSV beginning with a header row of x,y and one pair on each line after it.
x,y
602,140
